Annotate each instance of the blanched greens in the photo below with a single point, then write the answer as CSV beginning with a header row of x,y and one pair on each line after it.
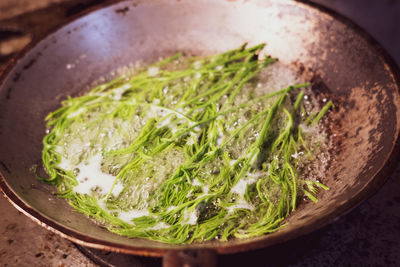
x,y
188,149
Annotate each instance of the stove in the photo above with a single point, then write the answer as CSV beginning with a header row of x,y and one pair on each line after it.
x,y
367,236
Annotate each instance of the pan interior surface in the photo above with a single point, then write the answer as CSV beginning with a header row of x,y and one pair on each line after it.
x,y
341,61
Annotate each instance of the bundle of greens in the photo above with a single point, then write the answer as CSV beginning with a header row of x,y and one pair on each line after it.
x,y
188,149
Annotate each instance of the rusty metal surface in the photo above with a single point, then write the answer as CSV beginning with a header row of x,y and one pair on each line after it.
x,y
345,63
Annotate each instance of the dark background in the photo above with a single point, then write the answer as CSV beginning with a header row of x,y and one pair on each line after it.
x,y
367,236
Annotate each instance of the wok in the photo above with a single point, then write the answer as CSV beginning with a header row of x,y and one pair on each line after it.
x,y
342,61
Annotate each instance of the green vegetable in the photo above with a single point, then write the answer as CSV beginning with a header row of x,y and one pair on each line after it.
x,y
185,150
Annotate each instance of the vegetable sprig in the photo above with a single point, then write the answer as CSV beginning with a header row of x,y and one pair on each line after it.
x,y
196,152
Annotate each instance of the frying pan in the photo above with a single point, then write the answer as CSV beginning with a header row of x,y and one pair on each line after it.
x,y
342,62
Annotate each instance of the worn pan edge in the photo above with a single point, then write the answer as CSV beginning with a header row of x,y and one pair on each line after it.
x,y
377,181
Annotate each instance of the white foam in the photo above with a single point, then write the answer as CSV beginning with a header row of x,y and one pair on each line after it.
x,y
160,226
90,177
197,65
192,139
196,182
65,164
220,139
171,208
118,92
205,189
190,217
240,187
232,162
240,205
117,189
297,154
128,216
152,71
